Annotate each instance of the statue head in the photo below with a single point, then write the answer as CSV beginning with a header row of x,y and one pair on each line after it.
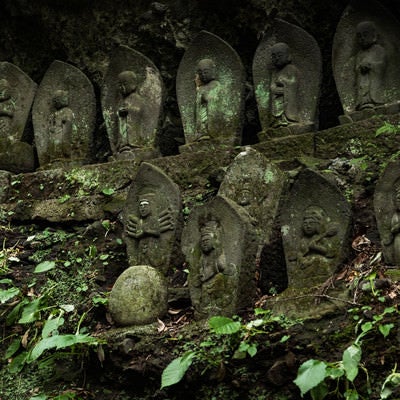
x,y
244,195
60,99
208,236
144,204
4,90
280,55
206,70
366,34
127,82
313,220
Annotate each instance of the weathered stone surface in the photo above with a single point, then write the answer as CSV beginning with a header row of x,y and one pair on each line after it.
x,y
256,185
366,61
151,218
210,90
386,205
287,71
63,116
315,230
17,91
138,297
132,98
220,247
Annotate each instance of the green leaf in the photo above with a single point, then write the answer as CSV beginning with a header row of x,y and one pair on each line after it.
x,y
18,363
335,372
310,374
59,342
12,348
51,325
224,325
351,394
44,266
8,294
30,312
252,350
319,392
176,369
108,191
39,397
351,360
391,383
385,329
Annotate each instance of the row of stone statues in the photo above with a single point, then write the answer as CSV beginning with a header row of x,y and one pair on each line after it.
x,y
210,91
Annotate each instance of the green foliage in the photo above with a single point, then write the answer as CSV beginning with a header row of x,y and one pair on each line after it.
x,y
229,339
389,128
313,374
44,266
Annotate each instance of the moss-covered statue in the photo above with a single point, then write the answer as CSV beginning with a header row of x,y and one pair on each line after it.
x,y
17,91
287,77
220,246
366,61
151,219
132,98
64,113
210,87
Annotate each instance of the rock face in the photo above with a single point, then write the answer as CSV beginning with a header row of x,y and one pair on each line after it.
x,y
151,218
366,61
132,98
138,297
210,90
287,72
64,115
17,91
387,205
315,230
220,247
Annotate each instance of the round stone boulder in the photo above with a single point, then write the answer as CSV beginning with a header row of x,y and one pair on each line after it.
x,y
139,296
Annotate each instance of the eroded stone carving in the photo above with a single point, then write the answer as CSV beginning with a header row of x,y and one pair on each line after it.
x,y
151,218
387,211
17,91
257,185
287,77
315,228
132,97
365,61
220,246
64,115
210,90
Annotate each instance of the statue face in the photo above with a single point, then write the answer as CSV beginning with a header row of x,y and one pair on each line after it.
x,y
60,99
366,34
311,226
207,242
144,208
280,55
206,70
127,82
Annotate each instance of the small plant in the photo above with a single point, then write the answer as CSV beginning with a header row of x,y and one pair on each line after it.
x,y
229,339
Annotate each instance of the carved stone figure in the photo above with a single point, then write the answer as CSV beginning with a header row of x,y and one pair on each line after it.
x,y
284,87
151,218
61,126
207,88
370,67
387,211
17,91
220,246
7,109
212,106
315,228
63,114
132,97
287,76
130,113
365,61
